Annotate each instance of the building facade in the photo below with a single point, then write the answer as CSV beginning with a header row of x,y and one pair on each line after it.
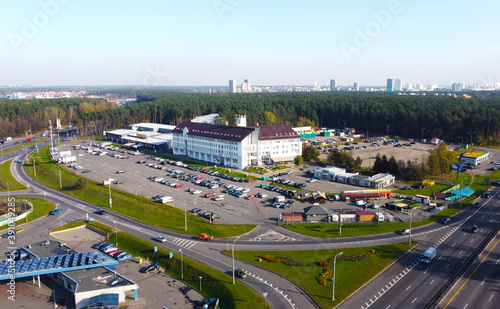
x,y
236,147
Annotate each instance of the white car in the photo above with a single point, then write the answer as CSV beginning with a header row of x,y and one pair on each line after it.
x,y
312,180
496,163
263,195
196,192
81,155
246,190
160,239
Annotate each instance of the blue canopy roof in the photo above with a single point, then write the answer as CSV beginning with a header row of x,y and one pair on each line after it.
x,y
466,192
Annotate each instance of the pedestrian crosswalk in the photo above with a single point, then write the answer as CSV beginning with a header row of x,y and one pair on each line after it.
x,y
185,243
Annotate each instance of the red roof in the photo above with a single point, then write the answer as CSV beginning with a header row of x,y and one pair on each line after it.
x,y
277,132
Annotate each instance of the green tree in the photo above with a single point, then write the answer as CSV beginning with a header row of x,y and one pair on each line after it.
x,y
310,153
299,160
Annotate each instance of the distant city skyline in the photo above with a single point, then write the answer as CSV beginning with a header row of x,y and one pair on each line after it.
x,y
198,43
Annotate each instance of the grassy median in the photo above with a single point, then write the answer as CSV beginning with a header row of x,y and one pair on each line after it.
x,y
7,178
354,268
139,208
41,207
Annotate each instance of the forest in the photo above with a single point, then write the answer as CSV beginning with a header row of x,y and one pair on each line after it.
x,y
453,119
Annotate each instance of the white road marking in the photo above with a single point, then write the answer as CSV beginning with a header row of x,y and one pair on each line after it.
x,y
447,266
388,307
459,252
432,281
490,297
408,287
483,281
426,270
414,300
471,240
453,244
466,305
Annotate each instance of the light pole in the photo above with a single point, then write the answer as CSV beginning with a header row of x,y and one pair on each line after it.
x,y
200,284
60,214
135,183
388,125
60,179
182,265
233,257
471,136
110,200
116,234
333,279
103,170
422,140
409,234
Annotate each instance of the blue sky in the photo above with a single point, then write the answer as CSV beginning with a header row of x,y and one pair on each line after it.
x,y
208,42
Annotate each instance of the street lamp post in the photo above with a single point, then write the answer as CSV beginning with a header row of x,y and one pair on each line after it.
x,y
200,284
233,257
60,215
182,265
103,170
333,279
409,234
60,179
110,200
471,133
135,183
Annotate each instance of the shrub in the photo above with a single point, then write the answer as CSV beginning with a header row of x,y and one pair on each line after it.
x,y
325,275
291,262
269,258
324,264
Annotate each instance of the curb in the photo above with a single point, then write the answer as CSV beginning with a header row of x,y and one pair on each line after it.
x,y
67,230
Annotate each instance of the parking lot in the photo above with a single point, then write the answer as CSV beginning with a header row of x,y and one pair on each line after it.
x,y
127,174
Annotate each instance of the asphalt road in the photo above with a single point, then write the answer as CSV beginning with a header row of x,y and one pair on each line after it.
x,y
478,288
410,284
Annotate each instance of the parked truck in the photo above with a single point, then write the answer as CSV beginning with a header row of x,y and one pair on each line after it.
x,y
429,255
279,198
166,199
68,159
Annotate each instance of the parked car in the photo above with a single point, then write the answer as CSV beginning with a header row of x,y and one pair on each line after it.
x,y
120,171
195,210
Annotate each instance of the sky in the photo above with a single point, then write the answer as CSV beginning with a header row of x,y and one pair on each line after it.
x,y
279,42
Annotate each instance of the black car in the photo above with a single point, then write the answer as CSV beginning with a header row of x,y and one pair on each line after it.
x,y
473,229
100,212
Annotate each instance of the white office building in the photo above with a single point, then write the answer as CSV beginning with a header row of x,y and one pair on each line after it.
x,y
236,147
232,86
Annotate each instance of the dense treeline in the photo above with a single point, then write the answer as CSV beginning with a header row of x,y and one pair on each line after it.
x,y
448,118
19,116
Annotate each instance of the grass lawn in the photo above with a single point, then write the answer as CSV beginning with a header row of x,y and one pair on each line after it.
x,y
41,207
139,208
166,157
350,275
6,177
69,225
234,174
215,284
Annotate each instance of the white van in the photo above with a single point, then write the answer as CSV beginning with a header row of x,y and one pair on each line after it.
x,y
360,203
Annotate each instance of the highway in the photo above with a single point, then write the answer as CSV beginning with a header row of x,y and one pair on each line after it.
x,y
405,284
479,287
410,284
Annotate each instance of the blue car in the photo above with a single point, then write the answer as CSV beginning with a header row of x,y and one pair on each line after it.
x,y
125,257
55,211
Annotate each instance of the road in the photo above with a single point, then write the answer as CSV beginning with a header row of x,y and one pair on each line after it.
x,y
478,288
405,284
410,284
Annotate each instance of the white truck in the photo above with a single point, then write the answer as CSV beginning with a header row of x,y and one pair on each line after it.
x,y
166,199
429,255
279,198
68,159
108,181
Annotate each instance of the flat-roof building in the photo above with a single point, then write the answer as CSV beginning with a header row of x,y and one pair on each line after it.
x,y
474,158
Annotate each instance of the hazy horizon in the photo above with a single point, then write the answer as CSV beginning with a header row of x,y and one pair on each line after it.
x,y
203,43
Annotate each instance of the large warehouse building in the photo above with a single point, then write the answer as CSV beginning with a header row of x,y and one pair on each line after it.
x,y
151,136
236,147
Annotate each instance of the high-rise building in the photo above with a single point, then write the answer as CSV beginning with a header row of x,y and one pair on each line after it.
x,y
398,84
390,85
246,86
333,84
232,86
456,87
356,87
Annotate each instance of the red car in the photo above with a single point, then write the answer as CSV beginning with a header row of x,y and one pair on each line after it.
x,y
114,252
198,177
204,171
251,197
209,195
178,185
